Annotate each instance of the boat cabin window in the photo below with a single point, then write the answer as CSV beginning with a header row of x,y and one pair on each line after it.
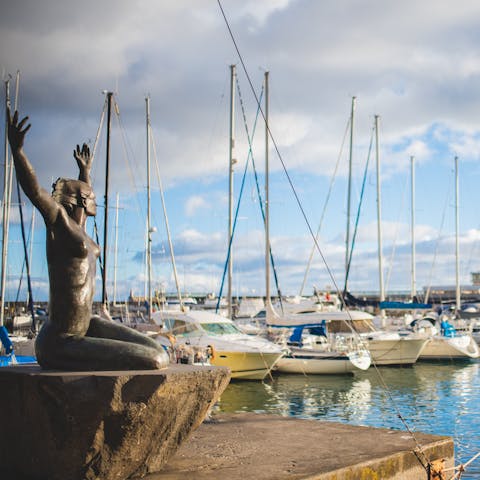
x,y
177,326
220,328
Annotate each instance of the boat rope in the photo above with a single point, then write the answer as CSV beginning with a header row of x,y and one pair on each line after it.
x,y
437,244
420,454
33,326
229,249
97,241
27,263
126,147
357,220
280,157
259,195
17,297
327,199
462,468
99,130
397,231
167,227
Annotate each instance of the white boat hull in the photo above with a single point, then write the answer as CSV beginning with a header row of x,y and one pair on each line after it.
x,y
322,363
446,348
400,351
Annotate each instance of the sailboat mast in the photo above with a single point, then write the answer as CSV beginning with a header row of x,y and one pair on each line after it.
x,y
149,226
457,228
230,189
414,261
115,253
5,206
349,193
379,217
267,198
105,222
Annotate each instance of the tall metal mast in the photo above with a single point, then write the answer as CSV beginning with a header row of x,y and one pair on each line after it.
x,y
105,222
5,206
349,194
379,219
457,229
414,261
267,199
115,253
149,227
231,163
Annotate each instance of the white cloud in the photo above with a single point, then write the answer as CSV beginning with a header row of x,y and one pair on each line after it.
x,y
195,203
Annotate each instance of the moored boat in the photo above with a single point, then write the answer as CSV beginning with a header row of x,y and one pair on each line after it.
x,y
248,357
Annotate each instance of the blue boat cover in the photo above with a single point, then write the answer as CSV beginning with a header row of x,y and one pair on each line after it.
x,y
5,339
6,360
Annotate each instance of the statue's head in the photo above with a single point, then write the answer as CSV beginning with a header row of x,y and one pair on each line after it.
x,y
74,193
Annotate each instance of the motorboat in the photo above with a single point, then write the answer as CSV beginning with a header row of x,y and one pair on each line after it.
x,y
248,357
385,347
446,342
310,351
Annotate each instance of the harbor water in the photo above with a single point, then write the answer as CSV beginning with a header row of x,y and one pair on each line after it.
x,y
436,398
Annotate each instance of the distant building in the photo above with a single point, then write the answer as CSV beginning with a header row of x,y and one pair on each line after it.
x,y
475,278
446,292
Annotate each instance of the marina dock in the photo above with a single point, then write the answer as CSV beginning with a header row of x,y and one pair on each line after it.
x,y
267,447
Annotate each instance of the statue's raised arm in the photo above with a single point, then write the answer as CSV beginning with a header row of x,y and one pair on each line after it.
x,y
84,162
25,172
73,337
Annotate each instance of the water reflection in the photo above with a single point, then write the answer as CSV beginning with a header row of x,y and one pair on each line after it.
x,y
301,396
438,398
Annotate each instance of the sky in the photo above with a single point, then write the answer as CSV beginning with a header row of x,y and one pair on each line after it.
x,y
415,65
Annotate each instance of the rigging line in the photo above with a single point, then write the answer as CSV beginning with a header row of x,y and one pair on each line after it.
x,y
99,130
97,240
249,156
172,256
384,385
327,199
27,263
126,147
296,195
357,220
327,267
437,245
397,231
23,264
250,139
329,270
262,211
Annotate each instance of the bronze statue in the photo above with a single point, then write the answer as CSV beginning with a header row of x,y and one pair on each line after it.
x,y
73,338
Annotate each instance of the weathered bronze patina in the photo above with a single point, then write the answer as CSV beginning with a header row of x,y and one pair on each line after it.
x,y
73,338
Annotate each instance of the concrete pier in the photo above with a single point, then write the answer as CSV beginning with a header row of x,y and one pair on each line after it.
x,y
100,425
271,447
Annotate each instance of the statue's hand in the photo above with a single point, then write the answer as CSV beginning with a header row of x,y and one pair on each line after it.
x,y
16,132
83,158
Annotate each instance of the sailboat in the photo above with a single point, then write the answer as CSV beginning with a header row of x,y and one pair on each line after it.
x,y
388,347
304,356
385,347
446,342
14,348
185,329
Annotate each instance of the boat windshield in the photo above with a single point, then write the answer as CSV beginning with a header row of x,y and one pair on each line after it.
x,y
220,328
179,327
